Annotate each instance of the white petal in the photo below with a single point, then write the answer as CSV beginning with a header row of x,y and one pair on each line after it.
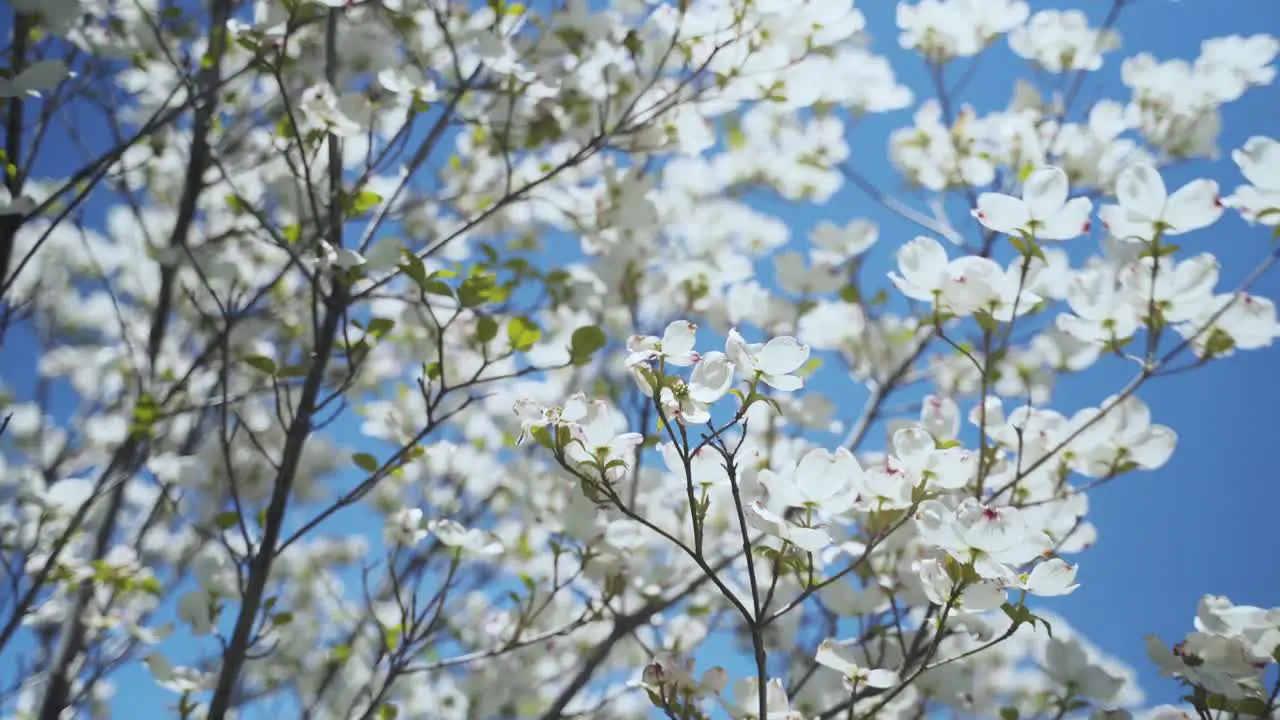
x,y
711,377
913,446
768,515
782,356
1051,578
829,658
922,262
1256,206
1259,161
1071,221
739,352
808,539
1125,225
982,596
678,340
1045,192
42,75
785,383
940,416
1155,449
1195,205
814,476
1141,190
1002,213
693,412
881,678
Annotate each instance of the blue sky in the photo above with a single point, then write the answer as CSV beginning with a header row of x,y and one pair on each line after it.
x,y
1203,522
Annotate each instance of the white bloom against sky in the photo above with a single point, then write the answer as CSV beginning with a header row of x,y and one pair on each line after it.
x,y
770,360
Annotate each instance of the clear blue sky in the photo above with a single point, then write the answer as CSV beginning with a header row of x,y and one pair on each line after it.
x,y
1204,522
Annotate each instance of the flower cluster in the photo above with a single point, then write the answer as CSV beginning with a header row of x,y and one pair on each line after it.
x,y
1226,659
414,358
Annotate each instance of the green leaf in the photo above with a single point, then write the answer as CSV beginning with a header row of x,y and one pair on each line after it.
x,y
365,461
522,333
262,363
1037,619
282,618
1255,707
226,519
585,341
1219,343
1159,251
364,201
486,328
1008,713
1267,213
477,290
144,416
432,371
380,326
809,368
415,269
986,322
435,287
737,139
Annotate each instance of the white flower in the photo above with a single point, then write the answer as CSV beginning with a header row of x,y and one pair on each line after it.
x,y
995,539
746,701
828,656
35,77
821,480
916,455
1146,207
1043,211
834,244
773,362
711,378
976,597
181,680
675,347
1050,578
321,107
471,540
194,609
404,527
1259,161
341,257
533,414
706,467
10,206
923,264
597,437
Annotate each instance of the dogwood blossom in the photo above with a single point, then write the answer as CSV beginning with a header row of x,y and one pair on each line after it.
x,y
1259,162
774,362
277,329
1147,209
675,347
1042,212
829,656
